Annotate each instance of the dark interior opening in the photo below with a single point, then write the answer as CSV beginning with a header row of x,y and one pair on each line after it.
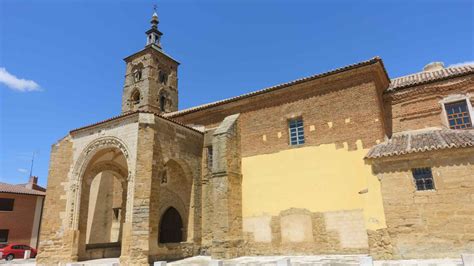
x,y
171,227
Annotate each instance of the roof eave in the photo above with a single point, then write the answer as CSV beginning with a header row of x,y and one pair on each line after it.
x,y
127,115
153,47
371,61
406,86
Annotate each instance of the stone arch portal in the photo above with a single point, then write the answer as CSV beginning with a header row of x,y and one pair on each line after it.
x,y
102,184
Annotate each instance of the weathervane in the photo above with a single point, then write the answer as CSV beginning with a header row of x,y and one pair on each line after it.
x,y
154,7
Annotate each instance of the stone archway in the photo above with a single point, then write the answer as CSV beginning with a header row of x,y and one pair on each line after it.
x,y
171,227
101,208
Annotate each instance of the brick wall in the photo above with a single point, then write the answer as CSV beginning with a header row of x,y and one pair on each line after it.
x,y
19,222
335,117
418,107
341,108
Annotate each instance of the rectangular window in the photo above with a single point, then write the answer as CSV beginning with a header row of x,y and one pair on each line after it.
x,y
423,178
458,115
6,204
3,235
209,158
296,131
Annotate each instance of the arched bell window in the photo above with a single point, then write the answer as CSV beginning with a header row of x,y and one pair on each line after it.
x,y
162,102
163,77
135,99
137,75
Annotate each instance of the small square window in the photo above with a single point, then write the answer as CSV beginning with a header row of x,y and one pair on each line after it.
x,y
3,235
423,178
458,115
296,131
6,204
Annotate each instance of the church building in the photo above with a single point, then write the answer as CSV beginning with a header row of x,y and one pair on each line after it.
x,y
343,162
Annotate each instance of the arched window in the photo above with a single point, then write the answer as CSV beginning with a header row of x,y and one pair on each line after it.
x,y
135,97
162,102
137,75
171,227
163,77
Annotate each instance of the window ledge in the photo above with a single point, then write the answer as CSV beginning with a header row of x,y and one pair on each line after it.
x,y
428,191
296,146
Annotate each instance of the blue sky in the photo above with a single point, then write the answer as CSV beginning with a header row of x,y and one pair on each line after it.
x,y
62,60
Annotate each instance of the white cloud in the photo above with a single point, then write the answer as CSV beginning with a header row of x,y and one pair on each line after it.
x,y
22,170
17,84
462,64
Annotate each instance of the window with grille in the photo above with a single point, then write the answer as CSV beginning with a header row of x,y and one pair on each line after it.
x,y
3,235
423,178
296,131
458,115
6,204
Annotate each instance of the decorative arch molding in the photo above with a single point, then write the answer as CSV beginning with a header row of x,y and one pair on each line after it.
x,y
80,167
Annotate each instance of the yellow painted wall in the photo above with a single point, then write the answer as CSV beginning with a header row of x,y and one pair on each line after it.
x,y
318,178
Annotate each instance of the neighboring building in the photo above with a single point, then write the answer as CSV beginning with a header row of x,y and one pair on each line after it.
x,y
21,207
347,161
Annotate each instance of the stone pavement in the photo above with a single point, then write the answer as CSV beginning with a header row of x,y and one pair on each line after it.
x,y
29,262
329,260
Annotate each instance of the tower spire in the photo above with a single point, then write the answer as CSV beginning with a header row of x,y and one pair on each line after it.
x,y
153,34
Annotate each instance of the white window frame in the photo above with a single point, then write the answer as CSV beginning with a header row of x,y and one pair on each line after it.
x,y
298,140
452,99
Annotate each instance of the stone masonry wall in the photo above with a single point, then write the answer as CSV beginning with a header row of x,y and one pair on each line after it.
x,y
53,236
177,151
299,231
224,194
434,223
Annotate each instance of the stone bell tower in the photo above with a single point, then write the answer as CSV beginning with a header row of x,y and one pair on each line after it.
x,y
151,78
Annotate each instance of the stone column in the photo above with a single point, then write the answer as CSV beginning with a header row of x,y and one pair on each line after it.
x,y
135,238
226,190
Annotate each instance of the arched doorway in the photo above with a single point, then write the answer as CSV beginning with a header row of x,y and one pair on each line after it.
x,y
103,201
171,227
